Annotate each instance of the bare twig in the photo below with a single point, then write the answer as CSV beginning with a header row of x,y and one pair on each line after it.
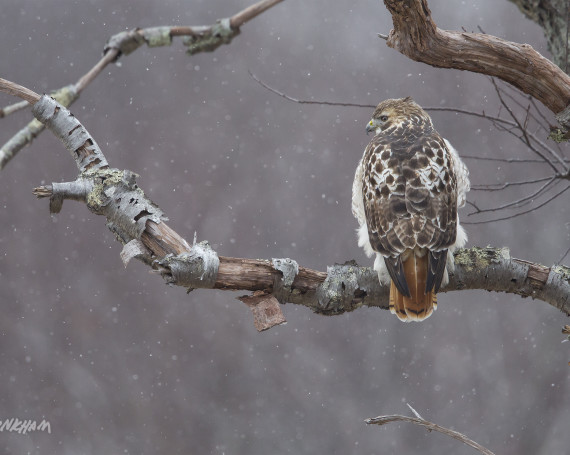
x,y
252,11
500,187
383,420
519,202
524,133
503,160
516,215
414,412
295,100
543,123
537,109
456,110
85,80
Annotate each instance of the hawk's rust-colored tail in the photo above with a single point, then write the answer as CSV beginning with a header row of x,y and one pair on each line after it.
x,y
421,304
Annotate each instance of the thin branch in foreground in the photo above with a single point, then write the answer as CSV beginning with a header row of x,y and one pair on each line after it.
x,y
383,420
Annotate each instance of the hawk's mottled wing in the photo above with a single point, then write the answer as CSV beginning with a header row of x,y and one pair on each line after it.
x,y
409,192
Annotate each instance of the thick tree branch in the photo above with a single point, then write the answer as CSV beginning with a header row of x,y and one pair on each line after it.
x,y
139,225
416,35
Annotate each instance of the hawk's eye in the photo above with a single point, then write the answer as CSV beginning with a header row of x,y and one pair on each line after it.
x,y
384,118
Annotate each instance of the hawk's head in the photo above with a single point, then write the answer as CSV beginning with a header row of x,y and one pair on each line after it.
x,y
395,111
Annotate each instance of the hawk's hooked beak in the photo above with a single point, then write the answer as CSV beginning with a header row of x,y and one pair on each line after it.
x,y
372,125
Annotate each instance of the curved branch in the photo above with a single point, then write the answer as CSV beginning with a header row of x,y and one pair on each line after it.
x,y
252,11
11,88
416,35
383,420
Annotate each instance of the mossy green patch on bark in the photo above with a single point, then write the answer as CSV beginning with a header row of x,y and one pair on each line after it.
x,y
563,271
480,258
102,179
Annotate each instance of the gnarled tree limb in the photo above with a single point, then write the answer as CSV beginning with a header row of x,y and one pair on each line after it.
x,y
416,35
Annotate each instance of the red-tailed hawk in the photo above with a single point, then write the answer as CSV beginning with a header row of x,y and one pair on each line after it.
x,y
406,191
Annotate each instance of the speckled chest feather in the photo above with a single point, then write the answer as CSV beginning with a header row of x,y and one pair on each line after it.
x,y
409,189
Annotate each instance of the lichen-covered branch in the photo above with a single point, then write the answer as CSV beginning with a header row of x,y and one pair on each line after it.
x,y
140,225
196,38
416,35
